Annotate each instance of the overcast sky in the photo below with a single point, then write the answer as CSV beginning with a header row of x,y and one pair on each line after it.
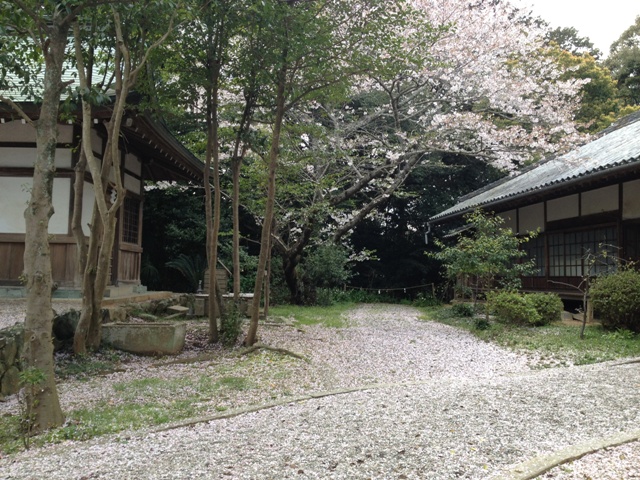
x,y
601,20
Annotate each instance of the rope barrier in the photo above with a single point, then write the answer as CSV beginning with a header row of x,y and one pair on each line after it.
x,y
385,290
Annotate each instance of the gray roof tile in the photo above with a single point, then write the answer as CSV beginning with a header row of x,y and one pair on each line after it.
x,y
619,145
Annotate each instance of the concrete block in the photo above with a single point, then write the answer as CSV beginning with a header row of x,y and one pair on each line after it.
x,y
145,338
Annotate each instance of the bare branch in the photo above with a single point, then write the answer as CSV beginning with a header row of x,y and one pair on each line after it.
x,y
17,109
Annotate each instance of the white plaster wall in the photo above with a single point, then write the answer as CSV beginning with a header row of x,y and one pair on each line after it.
x,y
132,184
96,142
600,200
561,208
132,164
510,219
631,200
65,134
88,199
14,196
25,157
15,131
531,218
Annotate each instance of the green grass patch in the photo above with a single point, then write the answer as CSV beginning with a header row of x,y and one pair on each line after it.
x,y
332,316
151,401
554,344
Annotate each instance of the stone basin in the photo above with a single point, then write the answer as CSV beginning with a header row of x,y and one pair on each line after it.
x,y
145,338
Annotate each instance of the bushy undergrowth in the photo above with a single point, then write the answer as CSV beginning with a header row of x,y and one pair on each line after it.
x,y
535,309
616,300
462,310
512,308
548,305
231,326
550,345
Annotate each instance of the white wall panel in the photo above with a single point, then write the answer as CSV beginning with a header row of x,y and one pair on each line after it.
x,y
509,219
561,208
631,200
14,196
16,131
132,164
26,157
599,200
132,184
88,199
531,218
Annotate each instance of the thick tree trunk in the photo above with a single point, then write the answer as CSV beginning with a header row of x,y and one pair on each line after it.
x,y
265,240
289,268
43,401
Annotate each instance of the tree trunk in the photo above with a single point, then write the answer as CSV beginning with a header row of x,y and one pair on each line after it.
x,y
235,205
213,200
289,268
76,218
88,312
265,240
43,401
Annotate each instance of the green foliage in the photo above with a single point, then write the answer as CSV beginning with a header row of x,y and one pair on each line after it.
x,y
358,295
231,326
174,225
551,345
568,39
624,63
600,102
31,379
84,366
462,310
481,323
548,305
488,254
425,300
616,299
513,308
332,317
324,297
325,268
192,269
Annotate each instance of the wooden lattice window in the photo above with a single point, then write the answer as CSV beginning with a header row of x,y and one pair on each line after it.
x,y
535,251
131,220
569,252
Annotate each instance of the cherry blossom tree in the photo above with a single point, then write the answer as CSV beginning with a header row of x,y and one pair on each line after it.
x,y
475,80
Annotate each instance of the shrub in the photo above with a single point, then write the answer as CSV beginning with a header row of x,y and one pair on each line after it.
x,y
513,307
324,297
425,300
462,309
231,326
481,323
616,300
548,305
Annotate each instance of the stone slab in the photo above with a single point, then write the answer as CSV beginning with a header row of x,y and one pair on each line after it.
x,y
145,338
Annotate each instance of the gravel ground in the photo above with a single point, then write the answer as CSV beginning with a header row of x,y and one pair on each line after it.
x,y
454,408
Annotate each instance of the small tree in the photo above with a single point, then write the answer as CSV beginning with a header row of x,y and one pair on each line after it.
x,y
489,255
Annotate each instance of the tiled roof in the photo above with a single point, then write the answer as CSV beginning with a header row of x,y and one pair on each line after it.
x,y
618,146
